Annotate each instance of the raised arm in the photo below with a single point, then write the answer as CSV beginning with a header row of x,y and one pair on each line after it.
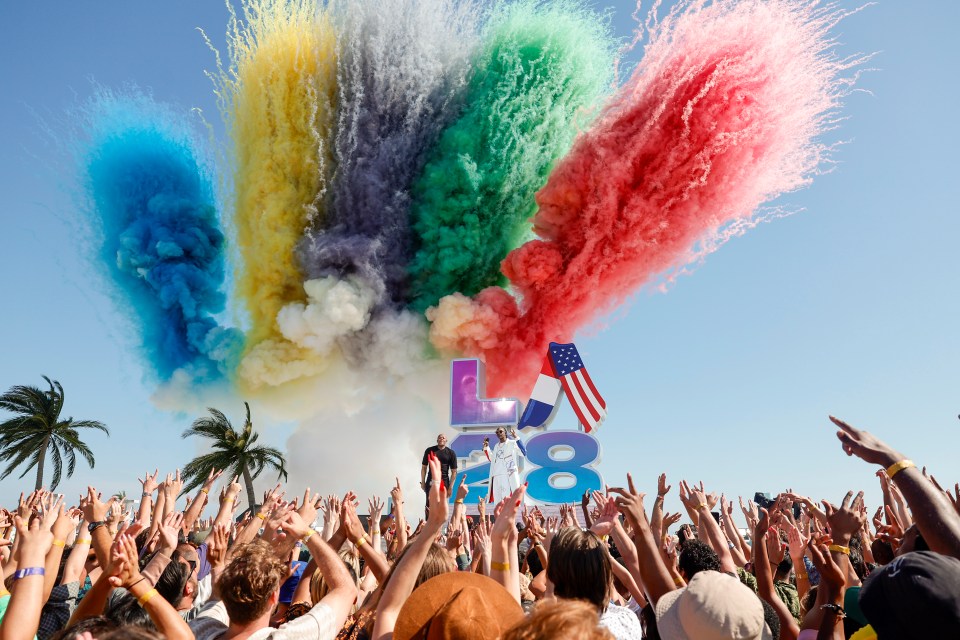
x,y
935,517
700,502
355,534
764,573
146,496
408,568
342,591
23,611
503,557
195,510
654,574
164,616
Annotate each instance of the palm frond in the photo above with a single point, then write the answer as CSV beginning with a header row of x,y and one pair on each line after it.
x,y
57,461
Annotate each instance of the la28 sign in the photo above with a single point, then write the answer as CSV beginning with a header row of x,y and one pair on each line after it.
x,y
564,460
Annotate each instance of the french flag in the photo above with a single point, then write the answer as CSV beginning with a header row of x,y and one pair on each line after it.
x,y
544,399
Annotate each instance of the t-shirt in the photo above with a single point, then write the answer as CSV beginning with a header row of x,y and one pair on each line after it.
x,y
448,460
621,622
289,586
317,624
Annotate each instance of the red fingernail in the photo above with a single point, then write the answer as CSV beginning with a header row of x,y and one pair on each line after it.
x,y
518,503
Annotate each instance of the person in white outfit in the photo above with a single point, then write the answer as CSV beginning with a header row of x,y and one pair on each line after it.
x,y
504,464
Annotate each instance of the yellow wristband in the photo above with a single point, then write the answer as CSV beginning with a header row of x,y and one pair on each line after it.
x,y
59,543
500,566
84,541
145,598
262,516
897,467
839,549
360,541
309,533
679,582
375,532
458,502
205,492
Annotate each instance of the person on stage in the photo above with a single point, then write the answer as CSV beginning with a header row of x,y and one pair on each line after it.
x,y
504,464
448,469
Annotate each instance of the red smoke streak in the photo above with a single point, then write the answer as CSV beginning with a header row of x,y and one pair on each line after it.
x,y
721,115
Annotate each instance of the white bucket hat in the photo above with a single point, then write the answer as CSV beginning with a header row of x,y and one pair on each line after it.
x,y
713,606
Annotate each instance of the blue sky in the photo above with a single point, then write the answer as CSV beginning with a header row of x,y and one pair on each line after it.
x,y
848,307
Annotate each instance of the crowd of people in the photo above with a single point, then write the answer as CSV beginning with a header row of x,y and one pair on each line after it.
x,y
799,568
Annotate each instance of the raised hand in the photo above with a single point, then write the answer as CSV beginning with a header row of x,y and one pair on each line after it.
x,y
604,524
551,529
847,520
150,482
311,503
438,496
217,544
375,510
454,540
670,519
462,488
93,509
630,503
124,567
212,476
865,446
350,521
176,484
796,543
396,493
662,487
169,531
750,512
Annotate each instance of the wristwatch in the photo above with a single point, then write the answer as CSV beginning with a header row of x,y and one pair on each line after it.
x,y
93,526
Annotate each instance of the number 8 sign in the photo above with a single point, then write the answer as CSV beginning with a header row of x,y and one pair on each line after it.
x,y
565,460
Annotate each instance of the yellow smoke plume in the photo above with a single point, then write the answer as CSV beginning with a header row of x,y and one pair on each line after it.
x,y
278,99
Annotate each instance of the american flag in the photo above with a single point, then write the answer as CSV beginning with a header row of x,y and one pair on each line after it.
x,y
584,398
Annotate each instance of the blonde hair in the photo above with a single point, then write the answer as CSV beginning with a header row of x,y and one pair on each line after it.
x,y
560,620
248,581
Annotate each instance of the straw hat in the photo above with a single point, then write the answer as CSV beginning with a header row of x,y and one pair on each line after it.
x,y
457,605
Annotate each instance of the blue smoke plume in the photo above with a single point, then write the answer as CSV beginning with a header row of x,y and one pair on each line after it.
x,y
153,203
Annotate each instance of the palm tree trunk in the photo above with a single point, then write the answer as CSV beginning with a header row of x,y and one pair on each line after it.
x,y
40,461
251,496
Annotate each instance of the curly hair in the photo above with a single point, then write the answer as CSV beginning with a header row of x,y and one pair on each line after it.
x,y
248,581
696,556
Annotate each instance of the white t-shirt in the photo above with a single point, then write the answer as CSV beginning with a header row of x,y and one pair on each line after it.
x,y
620,621
316,624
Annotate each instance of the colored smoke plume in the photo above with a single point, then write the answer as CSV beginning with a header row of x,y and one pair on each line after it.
x,y
722,114
401,70
541,66
150,197
277,98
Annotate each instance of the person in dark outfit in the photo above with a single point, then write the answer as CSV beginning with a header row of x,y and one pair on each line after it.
x,y
448,469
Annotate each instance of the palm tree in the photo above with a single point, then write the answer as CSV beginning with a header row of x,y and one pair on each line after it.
x,y
37,429
234,451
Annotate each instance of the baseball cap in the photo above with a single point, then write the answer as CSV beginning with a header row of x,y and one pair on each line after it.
x,y
915,596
